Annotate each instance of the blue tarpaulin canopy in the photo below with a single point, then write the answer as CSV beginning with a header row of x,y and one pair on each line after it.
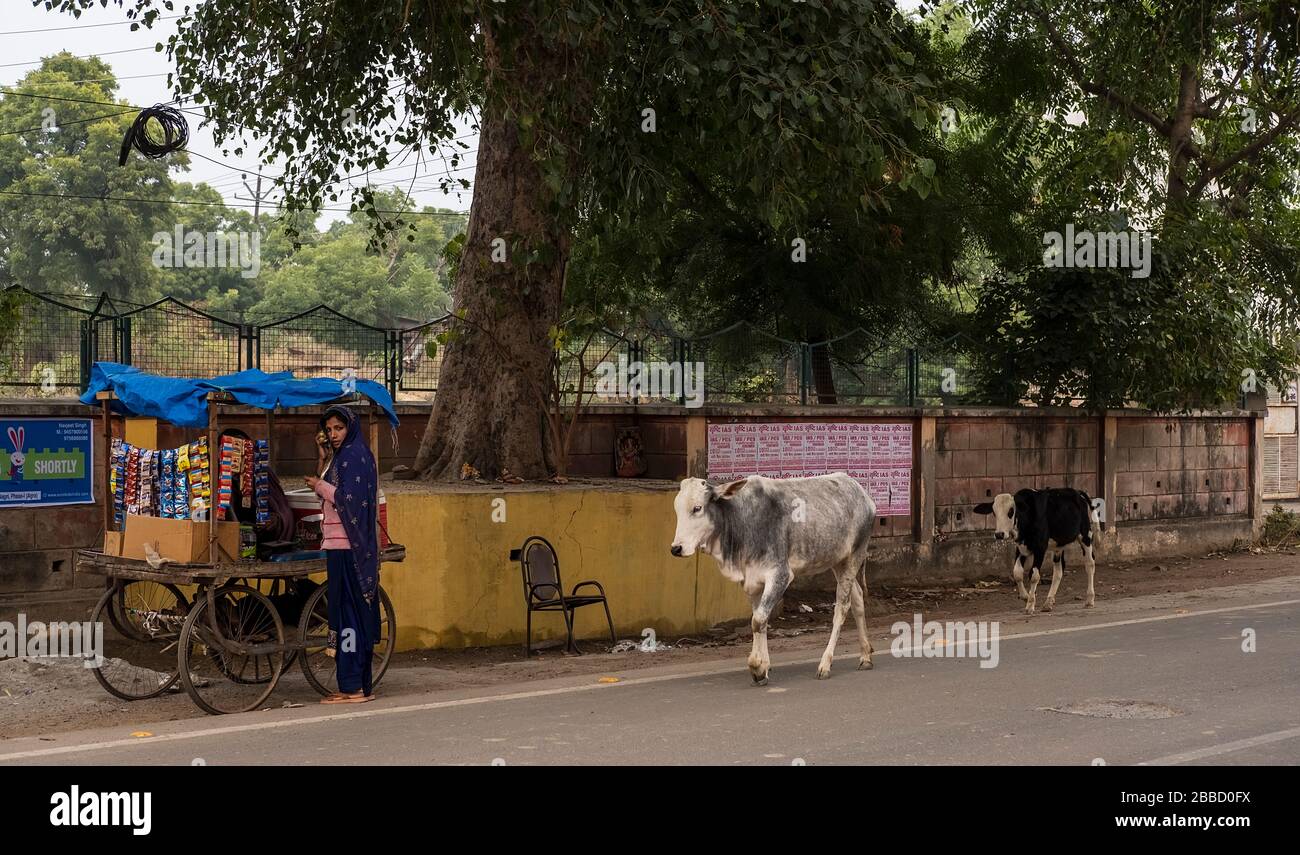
x,y
183,400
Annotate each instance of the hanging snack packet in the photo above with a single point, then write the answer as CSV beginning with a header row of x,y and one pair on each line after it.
x,y
225,477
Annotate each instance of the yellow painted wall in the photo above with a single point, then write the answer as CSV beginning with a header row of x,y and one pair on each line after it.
x,y
458,588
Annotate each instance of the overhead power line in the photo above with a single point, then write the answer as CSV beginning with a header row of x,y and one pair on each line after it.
x,y
85,26
457,214
87,56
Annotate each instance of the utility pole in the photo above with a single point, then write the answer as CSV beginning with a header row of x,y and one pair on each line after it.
x,y
256,196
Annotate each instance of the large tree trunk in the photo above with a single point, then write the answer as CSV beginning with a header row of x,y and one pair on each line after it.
x,y
487,412
1180,137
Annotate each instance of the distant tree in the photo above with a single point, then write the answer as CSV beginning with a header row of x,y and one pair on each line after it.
x,y
225,287
54,147
401,273
10,307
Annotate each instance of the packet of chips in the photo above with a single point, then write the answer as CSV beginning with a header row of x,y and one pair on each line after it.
x,y
225,480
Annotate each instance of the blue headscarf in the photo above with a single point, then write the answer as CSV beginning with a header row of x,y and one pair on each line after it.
x,y
355,477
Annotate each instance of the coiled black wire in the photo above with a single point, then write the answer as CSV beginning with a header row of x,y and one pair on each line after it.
x,y
175,133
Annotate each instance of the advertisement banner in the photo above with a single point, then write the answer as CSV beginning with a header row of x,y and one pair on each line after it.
x,y
46,462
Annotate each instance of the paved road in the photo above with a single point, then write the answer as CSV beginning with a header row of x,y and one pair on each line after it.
x,y
1228,707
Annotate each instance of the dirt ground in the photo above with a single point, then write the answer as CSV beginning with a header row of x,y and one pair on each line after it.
x,y
50,696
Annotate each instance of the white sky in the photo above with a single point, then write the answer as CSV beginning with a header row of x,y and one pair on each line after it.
x,y
142,79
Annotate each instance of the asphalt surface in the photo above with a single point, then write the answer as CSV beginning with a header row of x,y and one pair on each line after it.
x,y
1222,706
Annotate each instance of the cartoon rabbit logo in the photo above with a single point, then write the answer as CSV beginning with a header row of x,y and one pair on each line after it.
x,y
16,437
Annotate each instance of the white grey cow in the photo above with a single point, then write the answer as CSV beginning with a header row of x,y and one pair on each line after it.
x,y
764,531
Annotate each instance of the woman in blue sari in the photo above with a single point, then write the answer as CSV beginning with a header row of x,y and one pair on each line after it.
x,y
350,504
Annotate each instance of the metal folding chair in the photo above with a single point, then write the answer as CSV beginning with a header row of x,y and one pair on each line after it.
x,y
544,591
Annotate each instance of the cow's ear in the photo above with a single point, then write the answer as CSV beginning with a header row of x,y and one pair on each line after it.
x,y
731,489
983,508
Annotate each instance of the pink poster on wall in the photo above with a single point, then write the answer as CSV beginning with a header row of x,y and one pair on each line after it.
x,y
878,488
744,445
900,491
859,447
814,447
792,450
877,455
900,445
769,450
722,451
837,447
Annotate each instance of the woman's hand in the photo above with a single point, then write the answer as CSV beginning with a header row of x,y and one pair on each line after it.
x,y
311,482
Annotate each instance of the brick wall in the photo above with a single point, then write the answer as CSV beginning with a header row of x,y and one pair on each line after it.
x,y
1182,467
663,442
977,458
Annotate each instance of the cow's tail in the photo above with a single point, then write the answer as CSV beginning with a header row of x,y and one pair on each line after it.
x,y
866,549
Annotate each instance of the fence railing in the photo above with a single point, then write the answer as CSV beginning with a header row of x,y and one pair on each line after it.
x,y
59,338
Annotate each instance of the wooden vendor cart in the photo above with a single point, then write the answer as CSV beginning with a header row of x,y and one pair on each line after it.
x,y
226,630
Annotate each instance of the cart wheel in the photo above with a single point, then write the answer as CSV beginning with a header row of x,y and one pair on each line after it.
x,y
219,680
313,632
135,668
276,588
143,605
246,612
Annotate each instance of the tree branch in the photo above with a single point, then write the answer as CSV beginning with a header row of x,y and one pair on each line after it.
x,y
1093,87
1256,145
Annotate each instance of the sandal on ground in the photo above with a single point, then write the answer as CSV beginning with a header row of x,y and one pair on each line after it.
x,y
347,699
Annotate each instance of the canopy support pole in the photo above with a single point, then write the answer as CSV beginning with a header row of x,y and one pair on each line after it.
x,y
374,437
270,437
214,469
109,496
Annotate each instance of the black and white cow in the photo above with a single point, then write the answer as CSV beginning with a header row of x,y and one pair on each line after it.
x,y
1042,523
763,532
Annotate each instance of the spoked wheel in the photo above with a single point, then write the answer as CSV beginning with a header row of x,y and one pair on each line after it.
x,y
253,613
215,672
313,633
139,655
142,606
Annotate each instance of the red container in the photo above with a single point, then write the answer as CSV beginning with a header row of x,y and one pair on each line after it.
x,y
305,503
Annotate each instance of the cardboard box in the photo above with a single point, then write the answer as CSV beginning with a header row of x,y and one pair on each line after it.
x,y
183,541
113,543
